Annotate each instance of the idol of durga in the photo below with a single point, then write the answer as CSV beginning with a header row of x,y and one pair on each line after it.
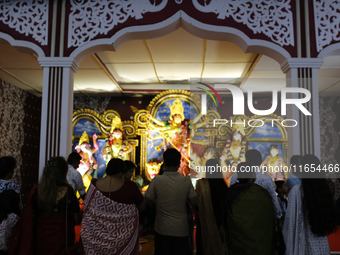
x,y
176,133
116,145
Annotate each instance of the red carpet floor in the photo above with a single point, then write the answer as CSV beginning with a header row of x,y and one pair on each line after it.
x,y
77,228
334,241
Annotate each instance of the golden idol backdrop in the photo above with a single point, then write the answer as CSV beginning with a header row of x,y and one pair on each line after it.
x,y
173,119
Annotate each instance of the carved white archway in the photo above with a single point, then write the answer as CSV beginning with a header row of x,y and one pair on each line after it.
x,y
330,50
22,46
197,28
294,68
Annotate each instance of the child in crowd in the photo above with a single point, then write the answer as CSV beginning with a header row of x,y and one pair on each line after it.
x,y
9,216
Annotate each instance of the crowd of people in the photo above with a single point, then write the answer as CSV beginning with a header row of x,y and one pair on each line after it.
x,y
254,215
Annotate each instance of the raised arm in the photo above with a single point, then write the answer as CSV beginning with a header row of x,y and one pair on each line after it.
x,y
198,117
95,144
158,122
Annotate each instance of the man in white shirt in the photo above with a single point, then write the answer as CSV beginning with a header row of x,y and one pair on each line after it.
x,y
73,176
170,192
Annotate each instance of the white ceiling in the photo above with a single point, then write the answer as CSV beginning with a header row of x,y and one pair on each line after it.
x,y
170,62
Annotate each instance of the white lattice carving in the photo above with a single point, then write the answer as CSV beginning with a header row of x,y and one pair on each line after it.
x,y
270,17
26,17
88,18
327,20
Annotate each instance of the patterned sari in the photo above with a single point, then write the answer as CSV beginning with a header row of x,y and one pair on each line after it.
x,y
109,227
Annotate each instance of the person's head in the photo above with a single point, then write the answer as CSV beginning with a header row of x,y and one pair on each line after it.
x,y
115,167
9,200
245,173
55,171
172,159
253,157
210,152
310,159
74,159
213,169
281,188
317,202
308,162
130,167
295,160
52,179
7,166
274,150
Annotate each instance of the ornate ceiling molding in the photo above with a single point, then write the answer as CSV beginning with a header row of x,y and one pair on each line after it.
x,y
270,17
91,18
327,20
27,17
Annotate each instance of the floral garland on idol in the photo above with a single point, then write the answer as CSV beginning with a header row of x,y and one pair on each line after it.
x,y
182,128
242,152
120,155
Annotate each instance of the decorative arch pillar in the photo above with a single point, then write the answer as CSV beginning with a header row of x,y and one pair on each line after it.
x,y
305,137
57,108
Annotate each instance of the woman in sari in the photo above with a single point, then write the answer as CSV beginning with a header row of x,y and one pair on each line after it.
x,y
211,192
110,224
310,215
47,222
250,216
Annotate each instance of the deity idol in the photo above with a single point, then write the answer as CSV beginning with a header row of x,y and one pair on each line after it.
x,y
274,164
116,145
88,162
199,162
152,169
234,150
176,131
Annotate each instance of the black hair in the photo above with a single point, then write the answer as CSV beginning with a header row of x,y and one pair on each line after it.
x,y
317,201
73,158
254,157
7,165
161,169
9,201
295,160
279,185
217,174
172,158
129,165
245,172
115,166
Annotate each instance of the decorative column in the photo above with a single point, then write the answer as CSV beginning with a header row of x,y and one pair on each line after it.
x,y
305,137
57,108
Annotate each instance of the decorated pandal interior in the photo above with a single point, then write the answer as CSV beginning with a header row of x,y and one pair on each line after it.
x,y
173,119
